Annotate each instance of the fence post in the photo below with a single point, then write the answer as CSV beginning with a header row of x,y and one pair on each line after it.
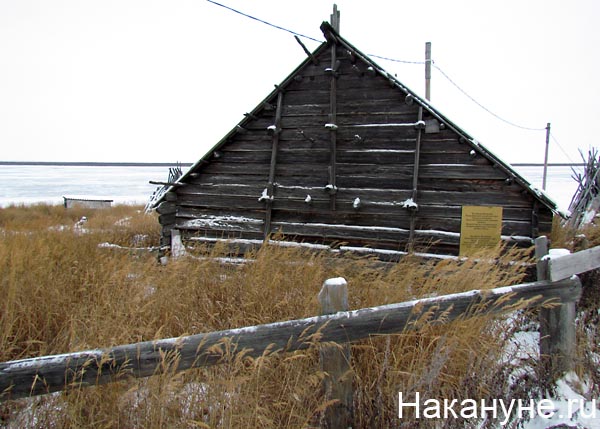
x,y
557,325
335,360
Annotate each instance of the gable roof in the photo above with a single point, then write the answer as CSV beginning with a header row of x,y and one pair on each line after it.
x,y
332,37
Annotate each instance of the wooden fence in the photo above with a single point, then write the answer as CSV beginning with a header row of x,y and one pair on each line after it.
x,y
37,376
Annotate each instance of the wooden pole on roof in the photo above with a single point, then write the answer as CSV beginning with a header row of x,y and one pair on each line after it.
x,y
428,71
334,19
546,156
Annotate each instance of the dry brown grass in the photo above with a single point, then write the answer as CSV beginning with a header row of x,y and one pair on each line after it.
x,y
60,292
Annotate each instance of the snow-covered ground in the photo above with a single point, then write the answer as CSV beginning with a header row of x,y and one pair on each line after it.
x,y
24,184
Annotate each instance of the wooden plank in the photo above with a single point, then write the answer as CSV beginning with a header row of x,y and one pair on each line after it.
x,y
382,93
446,158
365,118
253,189
356,235
307,136
563,267
227,179
212,234
465,171
260,127
220,202
249,169
307,97
393,197
474,198
318,215
346,233
517,214
370,170
374,202
398,157
373,181
470,185
202,194
308,109
351,108
392,105
222,223
354,154
200,212
379,138
36,376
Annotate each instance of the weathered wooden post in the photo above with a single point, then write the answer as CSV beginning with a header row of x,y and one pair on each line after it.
x,y
177,247
335,360
557,324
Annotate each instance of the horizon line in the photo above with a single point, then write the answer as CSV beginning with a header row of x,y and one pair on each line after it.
x,y
188,164
97,163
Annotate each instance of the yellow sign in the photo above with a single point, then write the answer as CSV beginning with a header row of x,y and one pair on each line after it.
x,y
480,228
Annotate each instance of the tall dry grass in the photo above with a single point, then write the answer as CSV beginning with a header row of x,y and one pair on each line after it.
x,y
60,292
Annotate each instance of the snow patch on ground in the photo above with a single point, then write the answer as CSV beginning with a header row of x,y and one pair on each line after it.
x,y
573,407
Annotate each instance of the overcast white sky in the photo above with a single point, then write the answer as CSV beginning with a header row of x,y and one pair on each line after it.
x,y
150,80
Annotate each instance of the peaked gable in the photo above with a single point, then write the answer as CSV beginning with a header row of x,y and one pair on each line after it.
x,y
341,151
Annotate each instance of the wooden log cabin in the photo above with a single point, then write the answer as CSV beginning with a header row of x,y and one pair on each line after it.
x,y
342,154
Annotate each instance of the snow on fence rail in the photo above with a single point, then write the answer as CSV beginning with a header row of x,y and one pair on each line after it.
x,y
37,376
565,265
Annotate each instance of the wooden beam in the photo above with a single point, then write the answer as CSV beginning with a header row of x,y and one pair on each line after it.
x,y
273,165
175,184
38,376
333,129
314,59
335,19
415,183
563,267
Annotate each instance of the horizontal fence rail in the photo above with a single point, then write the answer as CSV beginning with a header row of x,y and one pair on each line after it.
x,y
565,266
36,376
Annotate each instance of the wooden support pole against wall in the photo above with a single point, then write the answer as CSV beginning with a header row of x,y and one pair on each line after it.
x,y
271,182
557,324
333,126
415,183
335,360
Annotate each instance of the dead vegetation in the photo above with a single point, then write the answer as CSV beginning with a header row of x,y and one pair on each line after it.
x,y
61,292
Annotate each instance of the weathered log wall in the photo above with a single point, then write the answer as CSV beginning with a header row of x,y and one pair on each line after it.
x,y
330,157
